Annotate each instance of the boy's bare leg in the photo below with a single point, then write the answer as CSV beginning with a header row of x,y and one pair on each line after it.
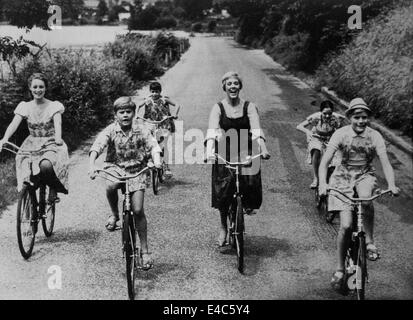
x,y
112,196
137,200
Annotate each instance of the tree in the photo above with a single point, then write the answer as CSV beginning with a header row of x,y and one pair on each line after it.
x,y
71,9
27,13
102,9
194,8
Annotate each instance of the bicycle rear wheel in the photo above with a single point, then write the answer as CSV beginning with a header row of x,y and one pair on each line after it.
x,y
155,181
129,245
26,221
361,273
239,235
48,217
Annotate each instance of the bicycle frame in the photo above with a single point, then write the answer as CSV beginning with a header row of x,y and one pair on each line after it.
x,y
357,273
130,250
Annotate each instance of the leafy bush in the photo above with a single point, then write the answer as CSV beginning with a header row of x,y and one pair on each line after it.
x,y
167,22
377,66
137,53
290,51
197,27
212,25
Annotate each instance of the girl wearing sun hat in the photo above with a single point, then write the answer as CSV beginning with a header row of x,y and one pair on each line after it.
x,y
359,145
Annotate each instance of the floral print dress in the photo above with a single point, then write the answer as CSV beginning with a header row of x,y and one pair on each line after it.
x,y
41,128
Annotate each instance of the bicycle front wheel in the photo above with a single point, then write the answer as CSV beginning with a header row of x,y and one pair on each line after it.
x,y
48,217
361,273
26,221
239,235
129,245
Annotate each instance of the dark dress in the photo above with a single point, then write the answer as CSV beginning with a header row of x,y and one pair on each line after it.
x,y
223,179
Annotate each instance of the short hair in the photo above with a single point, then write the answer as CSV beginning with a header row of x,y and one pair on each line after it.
x,y
124,103
38,76
326,104
155,86
231,74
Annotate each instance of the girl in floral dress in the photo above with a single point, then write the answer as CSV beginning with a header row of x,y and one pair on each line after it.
x,y
44,120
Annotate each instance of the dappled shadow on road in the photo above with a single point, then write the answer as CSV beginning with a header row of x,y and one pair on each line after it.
x,y
257,248
73,236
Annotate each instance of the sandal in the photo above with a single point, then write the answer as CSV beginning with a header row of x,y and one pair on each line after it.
x,y
337,283
250,211
314,184
147,261
111,223
372,252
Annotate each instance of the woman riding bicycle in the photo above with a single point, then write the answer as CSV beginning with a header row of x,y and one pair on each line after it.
x,y
323,123
359,144
44,120
234,115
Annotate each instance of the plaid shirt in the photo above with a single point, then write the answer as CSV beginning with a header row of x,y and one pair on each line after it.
x,y
130,151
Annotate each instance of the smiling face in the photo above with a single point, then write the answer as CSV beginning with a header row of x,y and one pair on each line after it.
x,y
38,89
232,87
125,117
156,94
359,120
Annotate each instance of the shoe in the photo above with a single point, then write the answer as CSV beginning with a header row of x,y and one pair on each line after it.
x,y
168,173
337,282
147,261
222,239
111,223
314,184
250,211
372,252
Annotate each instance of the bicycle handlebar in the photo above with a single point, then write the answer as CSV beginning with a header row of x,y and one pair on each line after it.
x,y
28,151
122,178
157,122
242,164
360,199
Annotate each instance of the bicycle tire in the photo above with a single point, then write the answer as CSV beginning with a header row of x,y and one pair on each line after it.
x,y
26,226
239,235
361,269
48,217
155,181
129,244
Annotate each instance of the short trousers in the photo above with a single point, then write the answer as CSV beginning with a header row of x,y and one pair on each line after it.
x,y
348,180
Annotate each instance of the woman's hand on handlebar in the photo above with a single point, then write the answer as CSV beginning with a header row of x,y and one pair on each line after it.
x,y
2,142
394,190
92,172
322,189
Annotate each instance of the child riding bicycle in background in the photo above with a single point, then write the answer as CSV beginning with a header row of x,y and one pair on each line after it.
x,y
323,123
359,144
157,107
129,148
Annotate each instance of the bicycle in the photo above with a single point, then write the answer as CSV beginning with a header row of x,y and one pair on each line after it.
x,y
130,250
355,268
236,226
158,175
322,201
31,208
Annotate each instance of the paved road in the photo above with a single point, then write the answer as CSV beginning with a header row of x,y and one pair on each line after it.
x,y
289,248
